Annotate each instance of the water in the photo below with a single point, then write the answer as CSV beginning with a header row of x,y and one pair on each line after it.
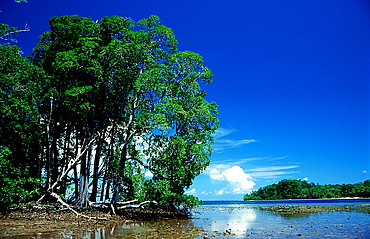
x,y
233,219
243,219
316,202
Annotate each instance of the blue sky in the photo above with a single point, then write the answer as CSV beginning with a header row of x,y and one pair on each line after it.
x,y
291,79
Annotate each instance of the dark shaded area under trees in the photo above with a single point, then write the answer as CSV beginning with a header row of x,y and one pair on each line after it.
x,y
300,189
105,110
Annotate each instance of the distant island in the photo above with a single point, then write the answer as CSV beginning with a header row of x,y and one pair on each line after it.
x,y
300,189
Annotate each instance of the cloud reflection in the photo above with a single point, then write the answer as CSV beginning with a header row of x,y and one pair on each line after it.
x,y
235,219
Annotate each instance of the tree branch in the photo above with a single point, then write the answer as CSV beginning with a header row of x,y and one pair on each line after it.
x,y
60,200
7,36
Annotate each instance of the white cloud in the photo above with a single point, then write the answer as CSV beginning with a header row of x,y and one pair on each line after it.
x,y
268,174
218,177
214,169
247,161
273,168
271,172
364,171
220,192
221,132
305,179
222,144
238,182
191,191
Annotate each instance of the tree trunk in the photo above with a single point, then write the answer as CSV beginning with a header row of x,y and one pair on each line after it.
x,y
65,158
107,190
94,190
75,180
83,192
102,190
107,173
55,155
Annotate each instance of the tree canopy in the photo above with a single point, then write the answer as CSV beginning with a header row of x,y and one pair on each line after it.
x,y
107,110
300,189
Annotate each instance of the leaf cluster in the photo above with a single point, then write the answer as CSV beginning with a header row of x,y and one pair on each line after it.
x,y
121,92
15,185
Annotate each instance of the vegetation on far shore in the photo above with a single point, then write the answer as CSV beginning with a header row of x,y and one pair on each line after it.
x,y
300,189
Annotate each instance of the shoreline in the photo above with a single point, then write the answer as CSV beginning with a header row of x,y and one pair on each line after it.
x,y
31,223
241,200
287,201
54,221
313,199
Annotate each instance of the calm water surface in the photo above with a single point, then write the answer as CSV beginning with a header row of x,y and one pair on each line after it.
x,y
238,219
244,221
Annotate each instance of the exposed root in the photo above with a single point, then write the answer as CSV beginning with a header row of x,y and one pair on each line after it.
x,y
122,206
60,200
139,205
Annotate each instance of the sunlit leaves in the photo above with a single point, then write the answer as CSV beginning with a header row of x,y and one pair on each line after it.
x,y
127,83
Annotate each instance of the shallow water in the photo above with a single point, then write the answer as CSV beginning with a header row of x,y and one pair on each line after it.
x,y
241,219
244,220
162,229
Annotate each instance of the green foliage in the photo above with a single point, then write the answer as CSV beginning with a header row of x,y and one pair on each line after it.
x,y
116,89
298,189
164,193
6,32
127,83
15,187
20,92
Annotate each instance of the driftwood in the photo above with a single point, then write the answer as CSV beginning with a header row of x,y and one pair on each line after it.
x,y
108,203
139,205
122,205
60,200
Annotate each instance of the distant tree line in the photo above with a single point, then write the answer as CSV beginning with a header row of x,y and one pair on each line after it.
x,y
300,189
105,110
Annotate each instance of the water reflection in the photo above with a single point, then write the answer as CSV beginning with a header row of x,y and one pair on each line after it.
x,y
229,220
240,222
155,229
246,222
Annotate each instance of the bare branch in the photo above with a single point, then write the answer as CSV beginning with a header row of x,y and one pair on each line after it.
x,y
7,36
139,205
60,200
